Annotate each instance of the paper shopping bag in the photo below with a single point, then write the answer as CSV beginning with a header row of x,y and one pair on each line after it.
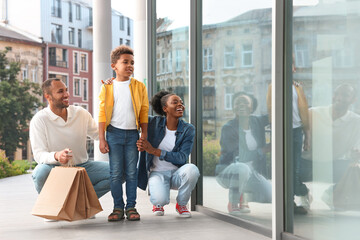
x,y
67,194
347,191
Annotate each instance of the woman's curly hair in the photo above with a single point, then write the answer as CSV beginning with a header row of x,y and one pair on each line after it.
x,y
158,101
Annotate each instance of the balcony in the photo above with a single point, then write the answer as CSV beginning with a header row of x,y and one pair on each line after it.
x,y
56,63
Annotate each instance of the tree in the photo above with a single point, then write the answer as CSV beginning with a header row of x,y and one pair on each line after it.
x,y
18,101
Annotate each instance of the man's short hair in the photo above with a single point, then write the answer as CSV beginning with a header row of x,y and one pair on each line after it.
x,y
118,51
47,84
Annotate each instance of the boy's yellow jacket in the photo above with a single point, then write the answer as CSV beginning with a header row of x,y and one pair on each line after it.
x,y
139,100
302,104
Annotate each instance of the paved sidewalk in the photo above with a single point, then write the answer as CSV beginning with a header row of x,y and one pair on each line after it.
x,y
18,195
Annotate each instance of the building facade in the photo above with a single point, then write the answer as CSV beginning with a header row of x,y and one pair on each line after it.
x,y
65,26
29,51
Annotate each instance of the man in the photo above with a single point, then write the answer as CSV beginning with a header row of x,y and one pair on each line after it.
x,y
58,137
334,127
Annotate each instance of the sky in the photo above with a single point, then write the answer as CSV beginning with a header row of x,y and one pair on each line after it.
x,y
214,11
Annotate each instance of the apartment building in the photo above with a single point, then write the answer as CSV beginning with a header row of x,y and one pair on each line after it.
x,y
65,26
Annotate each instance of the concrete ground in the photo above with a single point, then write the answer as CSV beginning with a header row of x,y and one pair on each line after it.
x,y
18,195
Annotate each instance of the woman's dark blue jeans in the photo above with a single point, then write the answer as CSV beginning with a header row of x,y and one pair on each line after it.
x,y
123,155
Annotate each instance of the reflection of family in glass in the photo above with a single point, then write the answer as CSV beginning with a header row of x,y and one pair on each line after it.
x,y
324,147
242,156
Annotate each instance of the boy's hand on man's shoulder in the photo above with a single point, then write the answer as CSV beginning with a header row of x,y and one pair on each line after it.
x,y
107,81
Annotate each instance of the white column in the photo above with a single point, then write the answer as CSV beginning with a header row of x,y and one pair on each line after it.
x,y
101,57
140,53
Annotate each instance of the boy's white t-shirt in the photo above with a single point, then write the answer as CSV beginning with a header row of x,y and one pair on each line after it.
x,y
167,144
296,113
123,115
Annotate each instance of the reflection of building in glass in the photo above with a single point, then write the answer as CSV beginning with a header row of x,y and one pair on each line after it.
x,y
172,60
237,57
234,54
325,37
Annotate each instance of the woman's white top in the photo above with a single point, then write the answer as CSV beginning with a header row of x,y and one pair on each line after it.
x,y
167,144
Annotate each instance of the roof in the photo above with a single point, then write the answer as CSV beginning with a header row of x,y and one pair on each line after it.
x,y
11,34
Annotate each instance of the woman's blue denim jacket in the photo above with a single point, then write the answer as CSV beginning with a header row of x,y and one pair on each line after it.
x,y
184,142
231,135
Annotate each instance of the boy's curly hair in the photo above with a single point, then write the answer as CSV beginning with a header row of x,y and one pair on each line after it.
x,y
158,101
118,51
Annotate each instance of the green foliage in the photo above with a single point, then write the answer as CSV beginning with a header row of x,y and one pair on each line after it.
x,y
24,165
7,169
18,101
211,155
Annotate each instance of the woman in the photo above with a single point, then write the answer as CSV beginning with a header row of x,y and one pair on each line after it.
x,y
242,142
166,153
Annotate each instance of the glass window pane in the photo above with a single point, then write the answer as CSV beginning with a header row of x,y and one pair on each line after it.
x,y
236,132
172,57
326,121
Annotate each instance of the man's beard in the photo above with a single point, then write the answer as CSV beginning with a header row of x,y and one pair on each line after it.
x,y
60,104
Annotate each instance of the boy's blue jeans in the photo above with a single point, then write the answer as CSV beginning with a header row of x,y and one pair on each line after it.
x,y
183,179
97,171
123,155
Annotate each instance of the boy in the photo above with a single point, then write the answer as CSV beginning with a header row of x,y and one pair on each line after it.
x,y
123,111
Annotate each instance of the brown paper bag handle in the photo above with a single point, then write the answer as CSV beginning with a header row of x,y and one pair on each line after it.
x,y
70,163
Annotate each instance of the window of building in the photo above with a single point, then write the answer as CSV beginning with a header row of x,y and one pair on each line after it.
x,y
77,87
56,33
229,56
78,11
56,8
158,64
90,16
128,42
34,74
83,65
121,23
301,55
25,74
79,38
207,59
209,102
85,90
76,62
70,12
71,35
84,106
58,57
63,78
128,27
228,98
169,65
178,60
247,55
121,41
163,63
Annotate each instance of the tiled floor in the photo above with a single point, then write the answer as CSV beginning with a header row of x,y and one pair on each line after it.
x,y
18,195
